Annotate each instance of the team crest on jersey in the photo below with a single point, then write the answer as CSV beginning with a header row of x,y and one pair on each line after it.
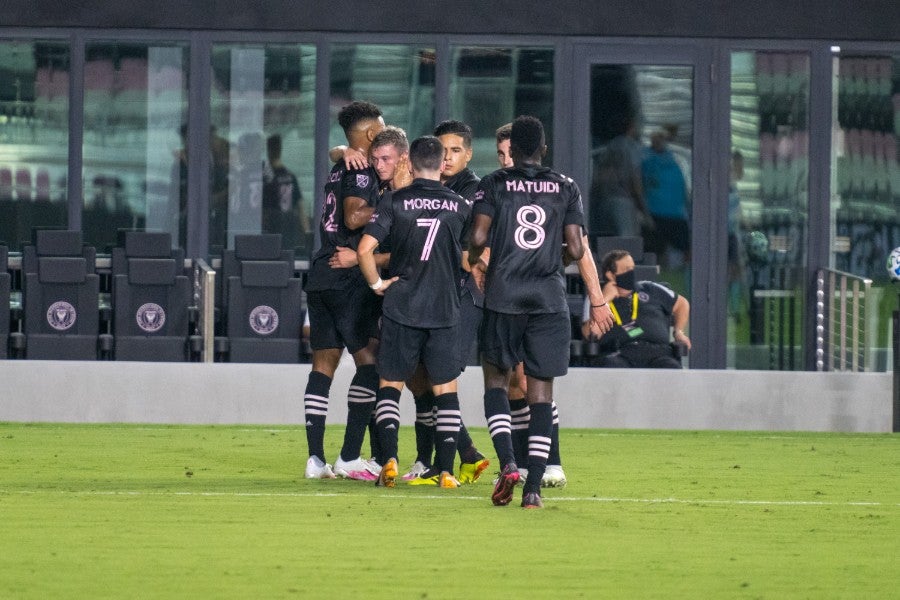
x,y
362,181
263,320
150,317
61,315
643,296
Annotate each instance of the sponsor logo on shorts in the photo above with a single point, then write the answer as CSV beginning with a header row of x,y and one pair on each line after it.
x,y
150,317
61,315
263,320
362,181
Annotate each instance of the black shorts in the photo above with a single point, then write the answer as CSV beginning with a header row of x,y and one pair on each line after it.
x,y
403,347
345,318
541,341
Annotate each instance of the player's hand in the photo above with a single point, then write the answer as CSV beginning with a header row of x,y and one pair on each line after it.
x,y
601,320
355,159
343,258
402,175
479,270
386,283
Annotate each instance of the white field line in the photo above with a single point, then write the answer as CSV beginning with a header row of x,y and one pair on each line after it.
x,y
448,496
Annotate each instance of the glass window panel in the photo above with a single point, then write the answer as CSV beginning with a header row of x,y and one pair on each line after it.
x,y
398,78
641,162
489,87
866,181
34,137
135,106
767,209
261,143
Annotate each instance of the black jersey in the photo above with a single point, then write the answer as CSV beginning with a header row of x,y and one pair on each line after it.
x,y
650,308
332,230
465,183
425,223
529,207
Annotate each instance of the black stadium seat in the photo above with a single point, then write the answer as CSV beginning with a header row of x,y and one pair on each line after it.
x,y
262,302
150,300
60,298
4,301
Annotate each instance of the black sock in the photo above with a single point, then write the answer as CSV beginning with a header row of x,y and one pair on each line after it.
x,y
424,427
518,410
468,453
387,418
539,431
374,441
360,404
554,458
496,411
315,407
446,430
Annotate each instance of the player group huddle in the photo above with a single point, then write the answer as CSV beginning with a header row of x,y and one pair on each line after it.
x,y
418,259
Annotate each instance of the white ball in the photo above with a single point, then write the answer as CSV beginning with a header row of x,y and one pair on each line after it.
x,y
893,264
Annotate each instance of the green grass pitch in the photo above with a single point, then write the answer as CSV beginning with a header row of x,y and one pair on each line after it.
x,y
132,511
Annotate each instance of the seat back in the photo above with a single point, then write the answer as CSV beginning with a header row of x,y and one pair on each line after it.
x,y
61,309
150,311
263,315
48,242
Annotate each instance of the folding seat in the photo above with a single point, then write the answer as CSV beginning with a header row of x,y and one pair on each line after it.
x,y
60,297
150,299
4,301
262,301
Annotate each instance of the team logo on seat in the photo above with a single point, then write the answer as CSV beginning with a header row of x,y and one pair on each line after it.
x,y
263,320
151,317
61,315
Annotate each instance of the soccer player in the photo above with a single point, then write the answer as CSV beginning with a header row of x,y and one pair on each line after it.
x,y
425,222
526,213
343,312
456,138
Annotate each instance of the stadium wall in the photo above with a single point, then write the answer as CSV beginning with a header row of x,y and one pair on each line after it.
x,y
191,393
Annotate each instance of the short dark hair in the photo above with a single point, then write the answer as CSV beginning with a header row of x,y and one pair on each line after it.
x,y
355,112
527,135
426,153
273,146
609,260
391,136
456,128
504,132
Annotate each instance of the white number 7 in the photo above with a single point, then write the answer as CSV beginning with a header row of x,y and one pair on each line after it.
x,y
432,225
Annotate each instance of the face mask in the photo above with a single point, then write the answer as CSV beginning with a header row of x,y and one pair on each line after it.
x,y
625,280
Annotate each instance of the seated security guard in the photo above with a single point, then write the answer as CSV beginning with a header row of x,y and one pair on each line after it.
x,y
643,312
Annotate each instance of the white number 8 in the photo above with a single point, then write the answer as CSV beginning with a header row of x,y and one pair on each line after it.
x,y
530,218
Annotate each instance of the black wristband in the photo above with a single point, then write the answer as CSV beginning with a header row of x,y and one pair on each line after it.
x,y
598,305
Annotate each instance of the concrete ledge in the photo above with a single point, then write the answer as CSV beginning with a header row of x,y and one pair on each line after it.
x,y
190,393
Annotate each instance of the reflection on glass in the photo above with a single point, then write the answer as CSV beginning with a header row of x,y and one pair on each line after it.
x,y
135,103
261,144
767,209
866,176
398,78
641,157
34,137
489,87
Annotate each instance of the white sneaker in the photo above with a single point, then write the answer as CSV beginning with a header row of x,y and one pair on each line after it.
x,y
316,469
354,469
374,466
417,468
553,477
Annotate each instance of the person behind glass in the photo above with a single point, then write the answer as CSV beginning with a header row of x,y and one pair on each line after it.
x,y
665,192
283,210
420,320
617,197
644,312
737,258
343,312
526,213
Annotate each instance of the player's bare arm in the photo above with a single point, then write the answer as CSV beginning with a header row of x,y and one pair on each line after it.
x,y
357,212
601,316
477,244
366,256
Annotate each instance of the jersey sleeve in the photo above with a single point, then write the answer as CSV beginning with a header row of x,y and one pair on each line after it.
x,y
379,226
361,184
484,198
575,207
661,294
